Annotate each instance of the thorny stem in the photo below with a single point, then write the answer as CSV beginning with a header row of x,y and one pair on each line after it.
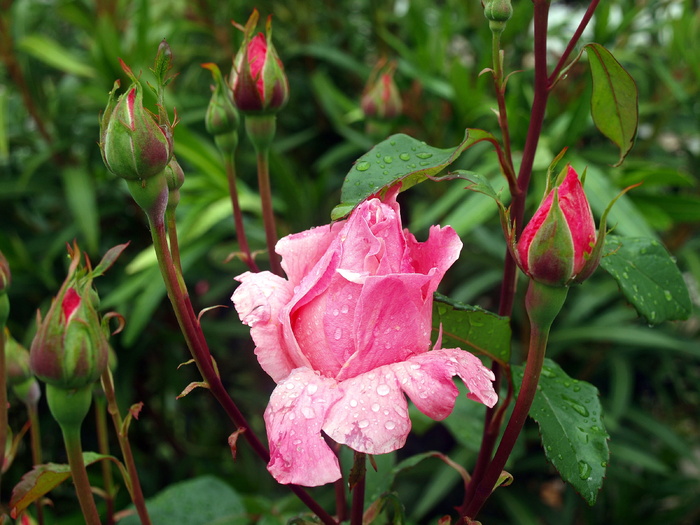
x,y
237,213
191,330
134,486
103,446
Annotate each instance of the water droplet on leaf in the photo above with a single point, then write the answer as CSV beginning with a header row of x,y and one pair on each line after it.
x,y
362,166
584,470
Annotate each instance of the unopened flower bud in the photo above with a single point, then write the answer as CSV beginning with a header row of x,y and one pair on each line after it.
x,y
556,246
498,12
222,115
381,98
16,361
134,146
70,349
175,177
258,79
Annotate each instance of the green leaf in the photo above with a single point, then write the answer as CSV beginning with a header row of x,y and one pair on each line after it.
x,y
79,189
568,413
614,99
44,478
472,328
55,55
399,158
648,277
199,501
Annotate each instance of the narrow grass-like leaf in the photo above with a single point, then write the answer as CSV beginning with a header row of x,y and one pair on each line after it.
x,y
648,277
55,55
614,99
568,413
472,328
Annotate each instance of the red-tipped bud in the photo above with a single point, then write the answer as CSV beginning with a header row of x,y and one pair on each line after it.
x,y
134,146
5,275
556,246
70,348
258,79
381,98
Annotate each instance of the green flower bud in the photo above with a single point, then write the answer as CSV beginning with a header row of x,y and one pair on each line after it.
x,y
498,12
222,115
175,177
5,275
16,361
70,347
134,146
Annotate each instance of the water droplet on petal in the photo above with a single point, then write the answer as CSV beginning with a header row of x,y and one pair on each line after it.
x,y
390,425
338,334
289,385
308,412
312,388
291,415
383,390
375,407
353,403
363,424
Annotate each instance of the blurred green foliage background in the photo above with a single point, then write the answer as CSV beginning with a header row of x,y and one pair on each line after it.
x,y
59,59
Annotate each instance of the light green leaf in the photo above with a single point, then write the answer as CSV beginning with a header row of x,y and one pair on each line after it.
x,y
55,55
614,99
399,158
472,328
568,413
648,277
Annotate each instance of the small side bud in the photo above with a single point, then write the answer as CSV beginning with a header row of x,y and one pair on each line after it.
x,y
498,12
381,98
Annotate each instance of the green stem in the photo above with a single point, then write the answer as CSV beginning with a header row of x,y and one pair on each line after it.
x,y
103,446
74,449
268,213
134,482
35,436
3,391
543,303
192,332
237,213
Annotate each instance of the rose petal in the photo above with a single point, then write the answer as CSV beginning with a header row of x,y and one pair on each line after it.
x,y
293,418
440,251
427,379
301,251
372,415
577,211
258,301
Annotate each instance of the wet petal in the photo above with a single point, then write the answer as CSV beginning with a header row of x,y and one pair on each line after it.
x,y
301,251
372,415
294,418
258,301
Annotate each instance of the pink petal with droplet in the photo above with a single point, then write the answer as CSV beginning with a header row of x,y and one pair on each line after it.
x,y
301,251
297,410
258,301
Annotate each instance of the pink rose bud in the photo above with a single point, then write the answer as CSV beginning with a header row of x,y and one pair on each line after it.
x,y
381,98
555,247
258,79
134,146
70,348
346,337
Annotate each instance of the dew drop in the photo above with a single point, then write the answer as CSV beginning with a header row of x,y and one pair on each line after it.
x,y
338,334
289,386
353,403
424,155
667,295
296,442
390,425
383,390
388,159
375,407
578,407
312,388
336,312
362,166
363,424
584,470
291,415
404,156
603,464
308,412
548,372
344,309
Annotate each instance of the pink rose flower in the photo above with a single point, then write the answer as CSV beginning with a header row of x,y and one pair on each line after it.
x,y
348,334
556,245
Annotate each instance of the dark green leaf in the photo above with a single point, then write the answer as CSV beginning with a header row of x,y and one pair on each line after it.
x,y
54,54
472,328
399,158
614,99
79,188
568,413
648,277
199,501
